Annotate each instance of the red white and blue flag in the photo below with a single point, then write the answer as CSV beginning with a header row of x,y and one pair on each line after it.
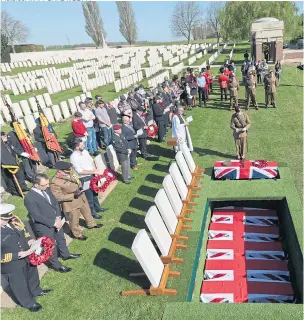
x,y
236,171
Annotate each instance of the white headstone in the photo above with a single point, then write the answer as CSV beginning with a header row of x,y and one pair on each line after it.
x,y
100,162
25,107
30,123
41,101
178,181
77,100
65,109
17,110
72,106
49,115
33,104
148,258
47,99
5,111
181,162
82,97
56,112
172,194
166,211
114,164
158,230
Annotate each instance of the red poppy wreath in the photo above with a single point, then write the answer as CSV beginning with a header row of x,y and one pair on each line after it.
x,y
47,245
152,130
260,163
101,182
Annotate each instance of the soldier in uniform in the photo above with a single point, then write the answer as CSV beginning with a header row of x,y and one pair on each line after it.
x,y
66,187
251,91
240,124
120,145
16,269
234,87
270,83
130,135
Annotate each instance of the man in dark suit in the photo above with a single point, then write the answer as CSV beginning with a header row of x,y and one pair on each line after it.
x,y
16,269
159,118
130,134
120,145
139,123
40,138
138,97
15,145
44,210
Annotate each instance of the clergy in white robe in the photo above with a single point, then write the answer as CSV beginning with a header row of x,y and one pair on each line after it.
x,y
180,130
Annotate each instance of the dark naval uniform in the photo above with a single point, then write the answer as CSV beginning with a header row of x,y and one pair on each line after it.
x,y
22,277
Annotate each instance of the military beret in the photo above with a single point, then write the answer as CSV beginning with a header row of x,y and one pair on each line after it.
x,y
237,108
6,211
116,127
62,165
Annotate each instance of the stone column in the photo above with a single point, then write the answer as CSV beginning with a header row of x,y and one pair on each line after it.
x,y
258,52
279,50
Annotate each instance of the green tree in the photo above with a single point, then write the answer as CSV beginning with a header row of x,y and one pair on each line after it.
x,y
5,49
237,17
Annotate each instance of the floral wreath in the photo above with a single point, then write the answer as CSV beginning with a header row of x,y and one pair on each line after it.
x,y
47,245
105,179
260,163
152,130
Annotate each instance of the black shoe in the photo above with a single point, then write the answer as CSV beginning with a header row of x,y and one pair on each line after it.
x,y
96,216
73,255
127,182
35,307
102,209
64,269
44,292
82,238
97,226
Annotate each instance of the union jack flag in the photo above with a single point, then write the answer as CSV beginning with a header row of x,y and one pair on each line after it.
x,y
236,171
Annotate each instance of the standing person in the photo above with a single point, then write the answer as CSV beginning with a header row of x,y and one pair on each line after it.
x,y
130,135
9,160
159,118
209,78
140,123
278,71
251,91
246,55
234,87
270,83
258,72
38,135
264,70
124,107
79,129
104,122
43,208
201,83
223,81
180,130
240,124
167,101
84,165
16,269
112,115
67,189
88,120
120,145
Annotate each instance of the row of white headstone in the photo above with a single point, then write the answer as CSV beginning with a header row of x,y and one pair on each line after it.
x,y
158,79
173,61
99,81
127,71
126,82
152,70
178,68
162,218
192,60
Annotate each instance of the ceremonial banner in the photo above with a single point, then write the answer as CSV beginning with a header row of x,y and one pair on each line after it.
x,y
49,135
7,160
250,170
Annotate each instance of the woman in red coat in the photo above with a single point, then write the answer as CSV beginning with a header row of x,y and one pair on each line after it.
x,y
79,129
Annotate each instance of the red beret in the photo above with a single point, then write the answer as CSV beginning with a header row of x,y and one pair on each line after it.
x,y
117,126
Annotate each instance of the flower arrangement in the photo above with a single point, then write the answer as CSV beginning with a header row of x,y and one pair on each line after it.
x,y
47,245
101,182
152,130
260,163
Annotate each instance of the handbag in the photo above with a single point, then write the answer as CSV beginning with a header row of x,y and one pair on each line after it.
x,y
172,142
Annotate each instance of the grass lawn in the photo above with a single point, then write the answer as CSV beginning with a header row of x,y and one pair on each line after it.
x,y
91,290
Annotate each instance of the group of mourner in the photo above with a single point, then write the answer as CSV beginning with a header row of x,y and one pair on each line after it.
x,y
97,126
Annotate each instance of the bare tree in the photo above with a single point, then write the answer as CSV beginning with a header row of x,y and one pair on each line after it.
x,y
214,18
185,17
94,25
15,30
127,24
